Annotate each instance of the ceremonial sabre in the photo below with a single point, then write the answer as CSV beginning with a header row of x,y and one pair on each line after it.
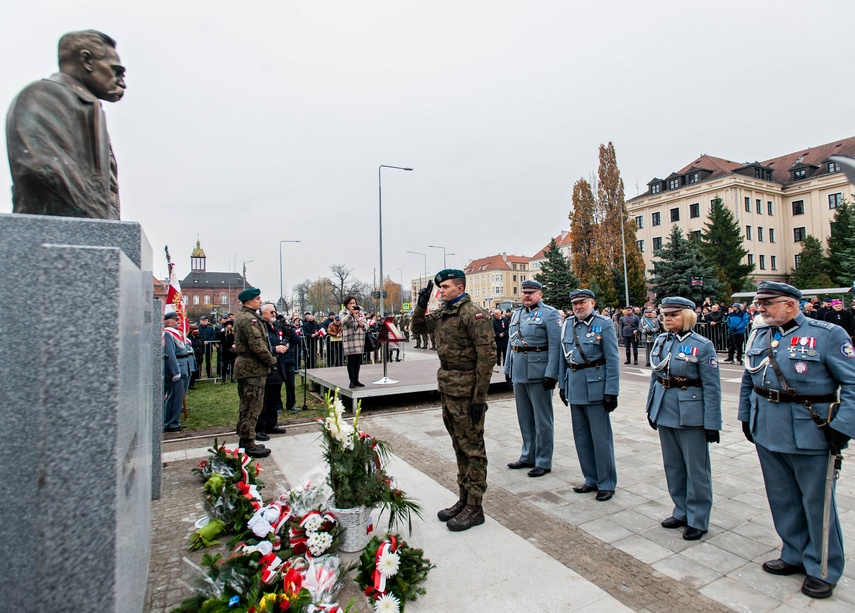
x,y
835,460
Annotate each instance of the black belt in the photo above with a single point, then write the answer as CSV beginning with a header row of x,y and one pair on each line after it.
x,y
457,366
779,396
595,363
526,348
180,357
678,382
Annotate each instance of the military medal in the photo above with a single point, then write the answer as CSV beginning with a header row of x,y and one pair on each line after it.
x,y
774,343
811,352
694,355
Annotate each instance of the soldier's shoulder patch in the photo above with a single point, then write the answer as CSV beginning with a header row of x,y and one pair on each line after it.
x,y
713,362
847,350
254,321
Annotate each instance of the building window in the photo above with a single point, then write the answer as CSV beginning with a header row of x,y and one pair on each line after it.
x,y
747,204
758,174
758,206
674,184
799,234
833,167
760,233
184,300
655,188
771,235
769,209
751,259
773,261
640,245
675,215
656,219
224,298
762,262
798,207
835,200
799,174
515,291
657,244
207,299
693,178
797,260
695,210
748,233
195,299
639,221
514,278
696,235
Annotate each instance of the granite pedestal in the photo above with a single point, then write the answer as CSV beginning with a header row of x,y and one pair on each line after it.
x,y
76,414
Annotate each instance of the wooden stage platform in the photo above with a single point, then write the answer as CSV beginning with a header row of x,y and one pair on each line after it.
x,y
415,374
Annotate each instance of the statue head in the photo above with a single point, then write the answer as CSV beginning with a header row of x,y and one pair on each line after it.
x,y
90,57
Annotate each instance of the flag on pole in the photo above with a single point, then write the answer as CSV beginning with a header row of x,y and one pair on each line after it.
x,y
174,300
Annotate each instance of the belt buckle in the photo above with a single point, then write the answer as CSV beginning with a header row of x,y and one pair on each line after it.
x,y
774,396
573,367
666,383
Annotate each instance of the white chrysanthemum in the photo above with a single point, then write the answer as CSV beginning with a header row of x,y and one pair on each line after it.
x,y
387,604
318,543
312,523
388,564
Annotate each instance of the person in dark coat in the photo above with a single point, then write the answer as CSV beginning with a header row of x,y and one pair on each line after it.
x,y
500,329
311,332
840,316
198,352
266,424
288,363
227,347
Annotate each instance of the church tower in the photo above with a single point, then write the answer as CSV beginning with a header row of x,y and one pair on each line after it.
x,y
197,258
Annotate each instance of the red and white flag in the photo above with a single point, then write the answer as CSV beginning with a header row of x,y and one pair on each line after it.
x,y
174,300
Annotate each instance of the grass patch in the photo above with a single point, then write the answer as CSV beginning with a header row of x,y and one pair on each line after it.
x,y
215,405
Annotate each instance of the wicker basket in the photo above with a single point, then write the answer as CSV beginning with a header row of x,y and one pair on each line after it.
x,y
356,523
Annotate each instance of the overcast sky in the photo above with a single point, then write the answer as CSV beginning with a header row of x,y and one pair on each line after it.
x,y
252,122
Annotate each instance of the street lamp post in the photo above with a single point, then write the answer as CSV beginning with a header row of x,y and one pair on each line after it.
x,y
623,248
425,257
245,262
281,290
444,265
401,273
385,380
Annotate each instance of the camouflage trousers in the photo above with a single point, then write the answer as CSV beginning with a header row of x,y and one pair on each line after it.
x,y
251,393
468,442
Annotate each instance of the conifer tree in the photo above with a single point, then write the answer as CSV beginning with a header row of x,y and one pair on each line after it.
x,y
811,272
721,247
841,245
677,263
557,278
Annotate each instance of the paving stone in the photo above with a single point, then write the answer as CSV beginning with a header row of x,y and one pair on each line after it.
x,y
738,596
715,557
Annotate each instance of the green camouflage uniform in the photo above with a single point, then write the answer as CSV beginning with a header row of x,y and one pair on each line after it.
x,y
253,363
467,352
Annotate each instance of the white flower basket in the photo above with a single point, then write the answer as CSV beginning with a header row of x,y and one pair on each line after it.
x,y
355,522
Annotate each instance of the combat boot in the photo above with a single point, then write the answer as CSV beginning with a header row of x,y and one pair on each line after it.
x,y
469,516
452,511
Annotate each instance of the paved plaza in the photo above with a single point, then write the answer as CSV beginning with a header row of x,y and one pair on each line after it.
x,y
546,548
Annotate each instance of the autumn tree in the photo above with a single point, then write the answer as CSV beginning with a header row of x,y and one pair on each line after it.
x,y
812,271
557,278
676,264
343,283
583,231
392,302
721,247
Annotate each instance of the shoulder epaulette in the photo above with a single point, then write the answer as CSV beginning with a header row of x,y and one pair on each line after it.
x,y
822,324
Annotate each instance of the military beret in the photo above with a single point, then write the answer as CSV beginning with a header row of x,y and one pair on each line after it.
x,y
531,284
581,294
170,315
249,293
672,304
448,273
772,289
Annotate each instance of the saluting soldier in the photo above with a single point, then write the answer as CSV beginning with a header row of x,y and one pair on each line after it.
x,y
253,364
684,404
589,381
531,367
467,353
788,406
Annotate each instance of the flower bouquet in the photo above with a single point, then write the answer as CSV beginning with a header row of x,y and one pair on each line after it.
x,y
315,533
356,467
391,572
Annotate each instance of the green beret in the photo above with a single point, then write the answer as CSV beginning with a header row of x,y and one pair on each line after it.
x,y
448,273
249,293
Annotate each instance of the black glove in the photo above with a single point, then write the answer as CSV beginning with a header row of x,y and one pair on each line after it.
x,y
549,383
836,439
746,430
476,411
712,436
424,295
563,396
509,382
610,402
652,423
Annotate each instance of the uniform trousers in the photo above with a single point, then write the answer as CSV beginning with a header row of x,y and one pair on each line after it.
x,y
251,393
631,342
467,439
269,416
534,413
686,457
795,487
735,343
290,392
174,402
592,434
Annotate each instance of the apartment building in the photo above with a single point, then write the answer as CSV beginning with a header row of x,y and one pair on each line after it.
x,y
496,279
562,241
777,202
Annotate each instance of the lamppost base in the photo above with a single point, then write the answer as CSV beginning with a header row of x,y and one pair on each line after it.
x,y
384,381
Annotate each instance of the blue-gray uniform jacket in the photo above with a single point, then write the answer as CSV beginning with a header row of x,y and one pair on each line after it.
x,y
172,351
685,386
539,329
598,341
815,366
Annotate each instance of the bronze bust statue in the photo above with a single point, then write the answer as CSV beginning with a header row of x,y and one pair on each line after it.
x,y
59,150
